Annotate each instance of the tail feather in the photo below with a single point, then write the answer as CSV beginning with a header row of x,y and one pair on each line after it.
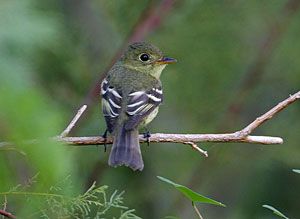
x,y
126,150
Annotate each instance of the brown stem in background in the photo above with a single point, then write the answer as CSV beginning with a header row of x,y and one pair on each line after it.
x,y
92,24
256,69
3,211
7,214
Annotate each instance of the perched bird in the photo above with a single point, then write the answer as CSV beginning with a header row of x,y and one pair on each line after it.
x,y
131,94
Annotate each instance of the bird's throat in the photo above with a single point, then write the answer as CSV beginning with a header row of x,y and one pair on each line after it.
x,y
156,71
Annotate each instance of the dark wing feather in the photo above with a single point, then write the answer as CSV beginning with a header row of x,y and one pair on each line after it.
x,y
141,104
111,104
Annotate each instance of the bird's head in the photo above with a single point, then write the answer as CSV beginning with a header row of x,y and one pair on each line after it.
x,y
145,58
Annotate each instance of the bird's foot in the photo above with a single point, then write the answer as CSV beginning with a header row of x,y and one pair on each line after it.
x,y
147,135
105,139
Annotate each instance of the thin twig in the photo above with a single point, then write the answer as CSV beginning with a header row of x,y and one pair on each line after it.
x,y
197,210
7,214
5,203
195,147
268,115
73,122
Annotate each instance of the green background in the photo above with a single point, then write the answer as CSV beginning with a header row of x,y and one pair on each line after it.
x,y
236,60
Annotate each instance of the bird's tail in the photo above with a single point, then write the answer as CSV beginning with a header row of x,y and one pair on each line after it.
x,y
126,150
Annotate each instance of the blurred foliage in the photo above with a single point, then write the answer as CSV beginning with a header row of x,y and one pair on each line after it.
x,y
296,170
52,52
94,203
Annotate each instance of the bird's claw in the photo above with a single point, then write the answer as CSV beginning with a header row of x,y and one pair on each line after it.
x,y
147,135
105,138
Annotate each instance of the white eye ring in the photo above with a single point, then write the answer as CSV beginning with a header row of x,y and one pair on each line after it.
x,y
144,57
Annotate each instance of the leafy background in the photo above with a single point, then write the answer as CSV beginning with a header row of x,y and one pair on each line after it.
x,y
236,59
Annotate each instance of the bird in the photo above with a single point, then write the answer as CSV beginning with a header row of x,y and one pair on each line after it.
x,y
131,94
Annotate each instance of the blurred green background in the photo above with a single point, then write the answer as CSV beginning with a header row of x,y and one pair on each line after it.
x,y
236,59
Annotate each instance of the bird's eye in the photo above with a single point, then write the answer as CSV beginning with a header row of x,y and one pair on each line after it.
x,y
144,57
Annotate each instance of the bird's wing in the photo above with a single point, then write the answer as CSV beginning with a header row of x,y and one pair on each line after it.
x,y
141,104
111,104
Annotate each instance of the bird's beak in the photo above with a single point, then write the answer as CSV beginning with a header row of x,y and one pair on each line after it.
x,y
166,60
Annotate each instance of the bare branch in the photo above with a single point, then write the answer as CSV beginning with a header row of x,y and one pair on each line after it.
x,y
179,138
73,122
242,136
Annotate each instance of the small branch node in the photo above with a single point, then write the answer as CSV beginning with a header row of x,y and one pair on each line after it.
x,y
240,134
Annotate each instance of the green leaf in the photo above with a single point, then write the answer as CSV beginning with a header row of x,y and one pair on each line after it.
x,y
190,194
296,170
275,211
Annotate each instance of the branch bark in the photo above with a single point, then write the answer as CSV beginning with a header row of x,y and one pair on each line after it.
x,y
242,136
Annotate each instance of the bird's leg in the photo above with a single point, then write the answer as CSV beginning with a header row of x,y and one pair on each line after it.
x,y
147,135
105,138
